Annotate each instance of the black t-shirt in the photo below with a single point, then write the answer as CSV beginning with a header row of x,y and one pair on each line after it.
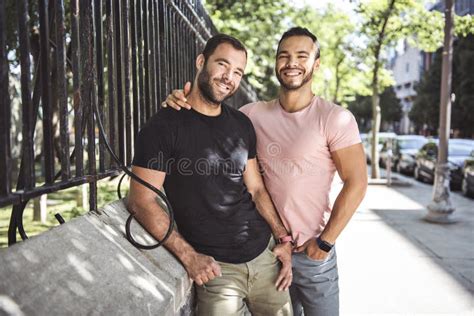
x,y
205,158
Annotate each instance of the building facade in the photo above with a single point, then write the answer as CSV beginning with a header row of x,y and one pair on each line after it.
x,y
409,64
407,67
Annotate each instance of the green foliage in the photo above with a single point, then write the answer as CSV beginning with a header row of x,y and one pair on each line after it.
x,y
425,111
382,25
463,112
390,106
463,25
425,29
63,202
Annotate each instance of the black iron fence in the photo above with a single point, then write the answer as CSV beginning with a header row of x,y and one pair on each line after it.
x,y
65,56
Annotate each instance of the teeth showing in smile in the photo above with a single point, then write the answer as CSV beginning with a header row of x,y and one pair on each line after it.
x,y
223,86
292,73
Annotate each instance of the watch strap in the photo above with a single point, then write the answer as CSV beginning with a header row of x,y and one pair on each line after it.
x,y
324,245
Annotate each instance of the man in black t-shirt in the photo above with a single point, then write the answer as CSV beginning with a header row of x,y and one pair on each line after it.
x,y
205,159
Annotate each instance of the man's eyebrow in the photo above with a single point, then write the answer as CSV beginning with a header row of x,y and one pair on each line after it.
x,y
223,59
298,52
228,62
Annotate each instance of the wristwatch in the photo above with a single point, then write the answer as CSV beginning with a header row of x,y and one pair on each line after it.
x,y
284,239
324,245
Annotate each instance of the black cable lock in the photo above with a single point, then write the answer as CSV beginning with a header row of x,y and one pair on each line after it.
x,y
142,182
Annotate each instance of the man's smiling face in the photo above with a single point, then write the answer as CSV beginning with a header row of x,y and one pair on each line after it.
x,y
296,61
220,75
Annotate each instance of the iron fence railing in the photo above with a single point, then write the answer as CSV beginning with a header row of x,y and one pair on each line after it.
x,y
125,56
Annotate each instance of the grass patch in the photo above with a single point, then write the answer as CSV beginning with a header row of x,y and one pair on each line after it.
x,y
64,202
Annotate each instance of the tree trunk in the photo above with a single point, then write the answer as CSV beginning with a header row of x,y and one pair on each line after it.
x,y
376,118
338,81
440,207
376,113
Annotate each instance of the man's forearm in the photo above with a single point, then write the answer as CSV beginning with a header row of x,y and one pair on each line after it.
x,y
344,208
155,220
266,208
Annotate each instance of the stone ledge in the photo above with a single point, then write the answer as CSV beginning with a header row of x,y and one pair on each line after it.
x,y
87,266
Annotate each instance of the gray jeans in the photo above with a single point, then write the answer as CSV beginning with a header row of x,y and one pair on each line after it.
x,y
315,288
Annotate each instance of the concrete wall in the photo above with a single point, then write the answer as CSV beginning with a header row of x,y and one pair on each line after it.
x,y
87,267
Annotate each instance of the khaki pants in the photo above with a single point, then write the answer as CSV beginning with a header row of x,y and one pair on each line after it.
x,y
247,285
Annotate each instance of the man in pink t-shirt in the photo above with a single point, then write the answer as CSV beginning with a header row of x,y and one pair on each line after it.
x,y
302,140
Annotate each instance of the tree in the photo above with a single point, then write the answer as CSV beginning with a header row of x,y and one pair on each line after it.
x,y
382,26
390,107
463,86
386,22
440,208
425,111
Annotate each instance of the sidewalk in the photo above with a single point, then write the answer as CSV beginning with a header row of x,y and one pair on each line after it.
x,y
391,262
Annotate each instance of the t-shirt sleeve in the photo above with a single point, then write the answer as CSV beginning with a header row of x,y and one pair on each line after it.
x,y
153,147
251,131
342,130
246,109
252,142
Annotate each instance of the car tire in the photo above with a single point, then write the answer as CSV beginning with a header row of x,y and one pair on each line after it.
x,y
417,175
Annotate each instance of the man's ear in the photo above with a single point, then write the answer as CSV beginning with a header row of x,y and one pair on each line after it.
x,y
316,64
200,61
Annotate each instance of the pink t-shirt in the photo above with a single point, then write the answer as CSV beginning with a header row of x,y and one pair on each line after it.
x,y
294,151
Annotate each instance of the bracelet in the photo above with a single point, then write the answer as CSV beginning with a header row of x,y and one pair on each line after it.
x,y
284,239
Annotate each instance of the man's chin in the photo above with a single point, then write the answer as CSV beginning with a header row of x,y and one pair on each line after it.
x,y
292,86
218,99
289,85
223,97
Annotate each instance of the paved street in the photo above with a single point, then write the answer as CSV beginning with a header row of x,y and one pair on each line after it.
x,y
391,262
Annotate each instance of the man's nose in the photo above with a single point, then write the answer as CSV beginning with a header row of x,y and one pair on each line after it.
x,y
292,62
227,75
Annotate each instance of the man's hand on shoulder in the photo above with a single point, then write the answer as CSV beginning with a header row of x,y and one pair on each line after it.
x,y
201,268
283,253
177,98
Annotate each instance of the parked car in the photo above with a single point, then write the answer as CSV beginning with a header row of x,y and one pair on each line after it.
x,y
467,185
427,156
404,149
382,139
462,141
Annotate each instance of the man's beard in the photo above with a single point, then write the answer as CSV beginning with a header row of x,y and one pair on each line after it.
x,y
307,78
204,83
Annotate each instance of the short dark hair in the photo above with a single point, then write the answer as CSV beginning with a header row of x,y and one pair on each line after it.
x,y
221,38
300,31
